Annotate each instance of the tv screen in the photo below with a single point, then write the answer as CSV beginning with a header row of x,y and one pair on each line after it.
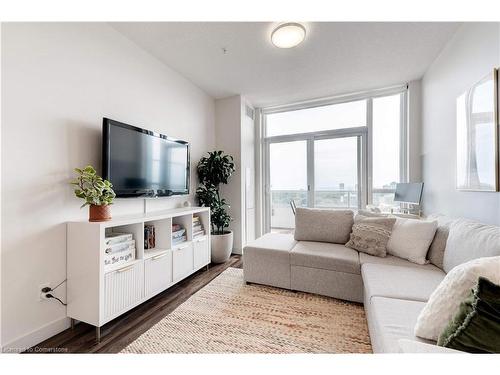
x,y
139,162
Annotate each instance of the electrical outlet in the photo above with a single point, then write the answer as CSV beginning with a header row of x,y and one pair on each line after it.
x,y
42,295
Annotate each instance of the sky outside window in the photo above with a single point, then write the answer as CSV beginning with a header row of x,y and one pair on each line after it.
x,y
337,116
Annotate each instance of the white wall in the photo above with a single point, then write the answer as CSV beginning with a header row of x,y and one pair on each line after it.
x,y
415,131
248,173
235,136
0,199
59,80
228,136
472,53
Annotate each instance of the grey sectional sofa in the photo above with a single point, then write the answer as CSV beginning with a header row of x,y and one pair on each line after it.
x,y
393,290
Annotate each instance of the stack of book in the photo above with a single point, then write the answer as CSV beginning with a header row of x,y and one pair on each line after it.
x,y
178,234
119,249
149,236
198,230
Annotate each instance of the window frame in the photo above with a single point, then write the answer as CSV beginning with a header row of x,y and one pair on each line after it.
x,y
365,143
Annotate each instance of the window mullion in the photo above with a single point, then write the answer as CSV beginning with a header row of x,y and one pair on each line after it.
x,y
403,141
310,172
369,152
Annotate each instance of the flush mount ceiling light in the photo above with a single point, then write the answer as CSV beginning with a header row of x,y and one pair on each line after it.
x,y
288,35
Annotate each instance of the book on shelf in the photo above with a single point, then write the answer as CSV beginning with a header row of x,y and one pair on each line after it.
x,y
118,247
176,227
116,237
179,240
122,253
149,236
178,233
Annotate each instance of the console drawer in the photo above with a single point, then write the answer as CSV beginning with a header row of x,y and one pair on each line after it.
x,y
182,261
157,273
123,288
201,252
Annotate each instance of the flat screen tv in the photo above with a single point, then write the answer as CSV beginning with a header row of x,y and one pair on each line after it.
x,y
142,163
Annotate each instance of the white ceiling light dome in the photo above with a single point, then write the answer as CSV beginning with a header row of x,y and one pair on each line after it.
x,y
288,35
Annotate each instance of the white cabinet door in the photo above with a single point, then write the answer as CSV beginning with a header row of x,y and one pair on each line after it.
x,y
182,259
201,252
157,273
123,288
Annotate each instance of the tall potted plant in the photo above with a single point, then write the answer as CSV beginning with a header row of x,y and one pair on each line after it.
x,y
97,193
214,170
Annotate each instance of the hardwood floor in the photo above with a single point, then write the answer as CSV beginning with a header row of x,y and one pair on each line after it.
x,y
120,332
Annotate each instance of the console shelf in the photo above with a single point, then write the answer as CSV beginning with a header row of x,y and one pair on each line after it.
x,y
97,294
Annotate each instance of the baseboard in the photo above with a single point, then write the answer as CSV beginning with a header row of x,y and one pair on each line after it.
x,y
237,251
35,337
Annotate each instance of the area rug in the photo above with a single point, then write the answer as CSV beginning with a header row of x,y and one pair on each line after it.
x,y
227,316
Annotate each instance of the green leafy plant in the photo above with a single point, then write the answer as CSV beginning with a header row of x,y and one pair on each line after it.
x,y
92,188
214,170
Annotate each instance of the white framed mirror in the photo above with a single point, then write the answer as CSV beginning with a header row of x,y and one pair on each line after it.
x,y
478,136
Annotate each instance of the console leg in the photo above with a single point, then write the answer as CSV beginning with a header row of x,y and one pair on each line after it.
x,y
72,324
98,334
207,267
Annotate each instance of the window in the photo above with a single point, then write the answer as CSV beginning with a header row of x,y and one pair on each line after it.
x,y
336,172
386,148
337,155
328,117
288,180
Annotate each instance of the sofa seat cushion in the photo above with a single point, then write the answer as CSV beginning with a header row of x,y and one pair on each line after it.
x,y
278,244
417,347
392,319
409,283
326,256
267,260
392,260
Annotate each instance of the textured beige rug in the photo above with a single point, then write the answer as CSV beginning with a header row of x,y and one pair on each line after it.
x,y
227,316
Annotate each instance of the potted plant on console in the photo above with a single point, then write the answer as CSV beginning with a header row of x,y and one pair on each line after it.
x,y
214,170
97,193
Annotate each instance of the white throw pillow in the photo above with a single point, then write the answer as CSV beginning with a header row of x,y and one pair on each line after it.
x,y
445,300
411,238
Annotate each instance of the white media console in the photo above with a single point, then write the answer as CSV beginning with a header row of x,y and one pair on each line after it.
x,y
97,295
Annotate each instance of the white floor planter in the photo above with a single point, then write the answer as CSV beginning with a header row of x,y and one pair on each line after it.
x,y
222,246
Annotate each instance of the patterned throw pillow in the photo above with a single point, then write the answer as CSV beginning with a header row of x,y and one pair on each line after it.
x,y
371,234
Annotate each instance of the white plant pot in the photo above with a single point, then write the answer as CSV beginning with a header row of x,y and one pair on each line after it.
x,y
222,246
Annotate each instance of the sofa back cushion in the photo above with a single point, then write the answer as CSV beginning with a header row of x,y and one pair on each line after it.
x,y
312,224
438,246
469,240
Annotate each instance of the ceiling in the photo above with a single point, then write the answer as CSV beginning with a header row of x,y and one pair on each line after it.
x,y
228,58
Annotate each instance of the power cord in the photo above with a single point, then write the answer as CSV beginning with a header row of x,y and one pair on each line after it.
x,y
51,296
48,289
58,285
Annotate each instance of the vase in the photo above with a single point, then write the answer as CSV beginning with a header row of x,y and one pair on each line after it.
x,y
222,246
99,213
